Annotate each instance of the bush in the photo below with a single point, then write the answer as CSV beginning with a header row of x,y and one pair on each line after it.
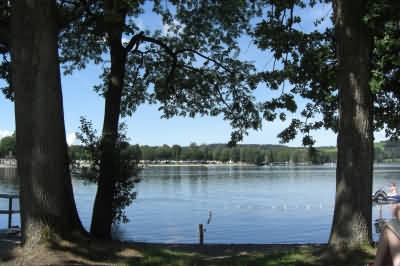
x,y
126,160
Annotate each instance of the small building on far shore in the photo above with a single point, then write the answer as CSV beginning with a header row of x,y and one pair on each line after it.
x,y
8,163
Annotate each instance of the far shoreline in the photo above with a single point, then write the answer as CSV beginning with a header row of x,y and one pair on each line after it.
x,y
193,165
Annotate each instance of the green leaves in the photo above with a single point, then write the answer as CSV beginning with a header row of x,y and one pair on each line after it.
x,y
192,69
304,67
5,74
383,20
125,177
8,146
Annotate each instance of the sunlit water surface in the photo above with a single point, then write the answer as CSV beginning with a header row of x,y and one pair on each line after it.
x,y
247,204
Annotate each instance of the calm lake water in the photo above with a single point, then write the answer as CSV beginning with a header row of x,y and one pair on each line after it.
x,y
247,204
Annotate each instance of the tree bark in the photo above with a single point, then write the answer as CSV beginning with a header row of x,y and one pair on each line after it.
x,y
46,197
103,208
353,212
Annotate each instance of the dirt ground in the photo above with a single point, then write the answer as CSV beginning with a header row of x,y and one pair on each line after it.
x,y
115,252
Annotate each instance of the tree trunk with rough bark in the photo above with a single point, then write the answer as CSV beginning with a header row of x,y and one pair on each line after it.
x,y
353,212
46,197
103,208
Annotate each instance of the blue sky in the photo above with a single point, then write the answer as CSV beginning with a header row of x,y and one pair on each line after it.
x,y
146,127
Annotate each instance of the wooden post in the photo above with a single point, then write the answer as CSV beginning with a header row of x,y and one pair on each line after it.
x,y
201,232
10,212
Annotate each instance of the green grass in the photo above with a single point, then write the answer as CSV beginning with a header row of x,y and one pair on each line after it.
x,y
307,256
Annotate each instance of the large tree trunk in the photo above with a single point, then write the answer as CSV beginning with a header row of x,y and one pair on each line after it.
x,y
103,208
46,197
353,212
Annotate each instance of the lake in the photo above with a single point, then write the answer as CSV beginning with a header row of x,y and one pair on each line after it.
x,y
247,204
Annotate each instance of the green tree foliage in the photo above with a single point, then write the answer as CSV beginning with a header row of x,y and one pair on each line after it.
x,y
78,152
135,152
176,151
127,161
252,154
193,70
305,65
383,20
235,154
5,73
385,152
194,67
8,146
316,65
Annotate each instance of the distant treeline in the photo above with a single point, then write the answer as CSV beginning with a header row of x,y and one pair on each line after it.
x,y
385,152
246,153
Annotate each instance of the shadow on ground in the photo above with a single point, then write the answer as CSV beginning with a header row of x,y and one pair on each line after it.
x,y
9,245
89,252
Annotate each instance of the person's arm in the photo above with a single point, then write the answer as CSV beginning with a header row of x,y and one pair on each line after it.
x,y
382,251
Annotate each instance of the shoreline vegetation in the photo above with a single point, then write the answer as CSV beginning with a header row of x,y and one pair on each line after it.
x,y
222,155
243,154
217,164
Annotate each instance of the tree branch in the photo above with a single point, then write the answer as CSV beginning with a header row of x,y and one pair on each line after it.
x,y
65,17
174,54
4,37
159,43
191,68
135,41
217,88
207,58
228,106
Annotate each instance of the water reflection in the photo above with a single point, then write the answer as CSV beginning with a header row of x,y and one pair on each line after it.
x,y
8,180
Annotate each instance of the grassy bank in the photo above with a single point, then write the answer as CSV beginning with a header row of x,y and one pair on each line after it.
x,y
117,253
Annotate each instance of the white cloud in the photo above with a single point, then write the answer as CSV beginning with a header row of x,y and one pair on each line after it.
x,y
5,133
71,138
125,40
380,136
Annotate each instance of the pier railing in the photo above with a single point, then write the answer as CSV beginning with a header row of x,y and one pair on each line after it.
x,y
10,210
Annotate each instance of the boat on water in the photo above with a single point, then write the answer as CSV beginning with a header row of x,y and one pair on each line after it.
x,y
381,197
